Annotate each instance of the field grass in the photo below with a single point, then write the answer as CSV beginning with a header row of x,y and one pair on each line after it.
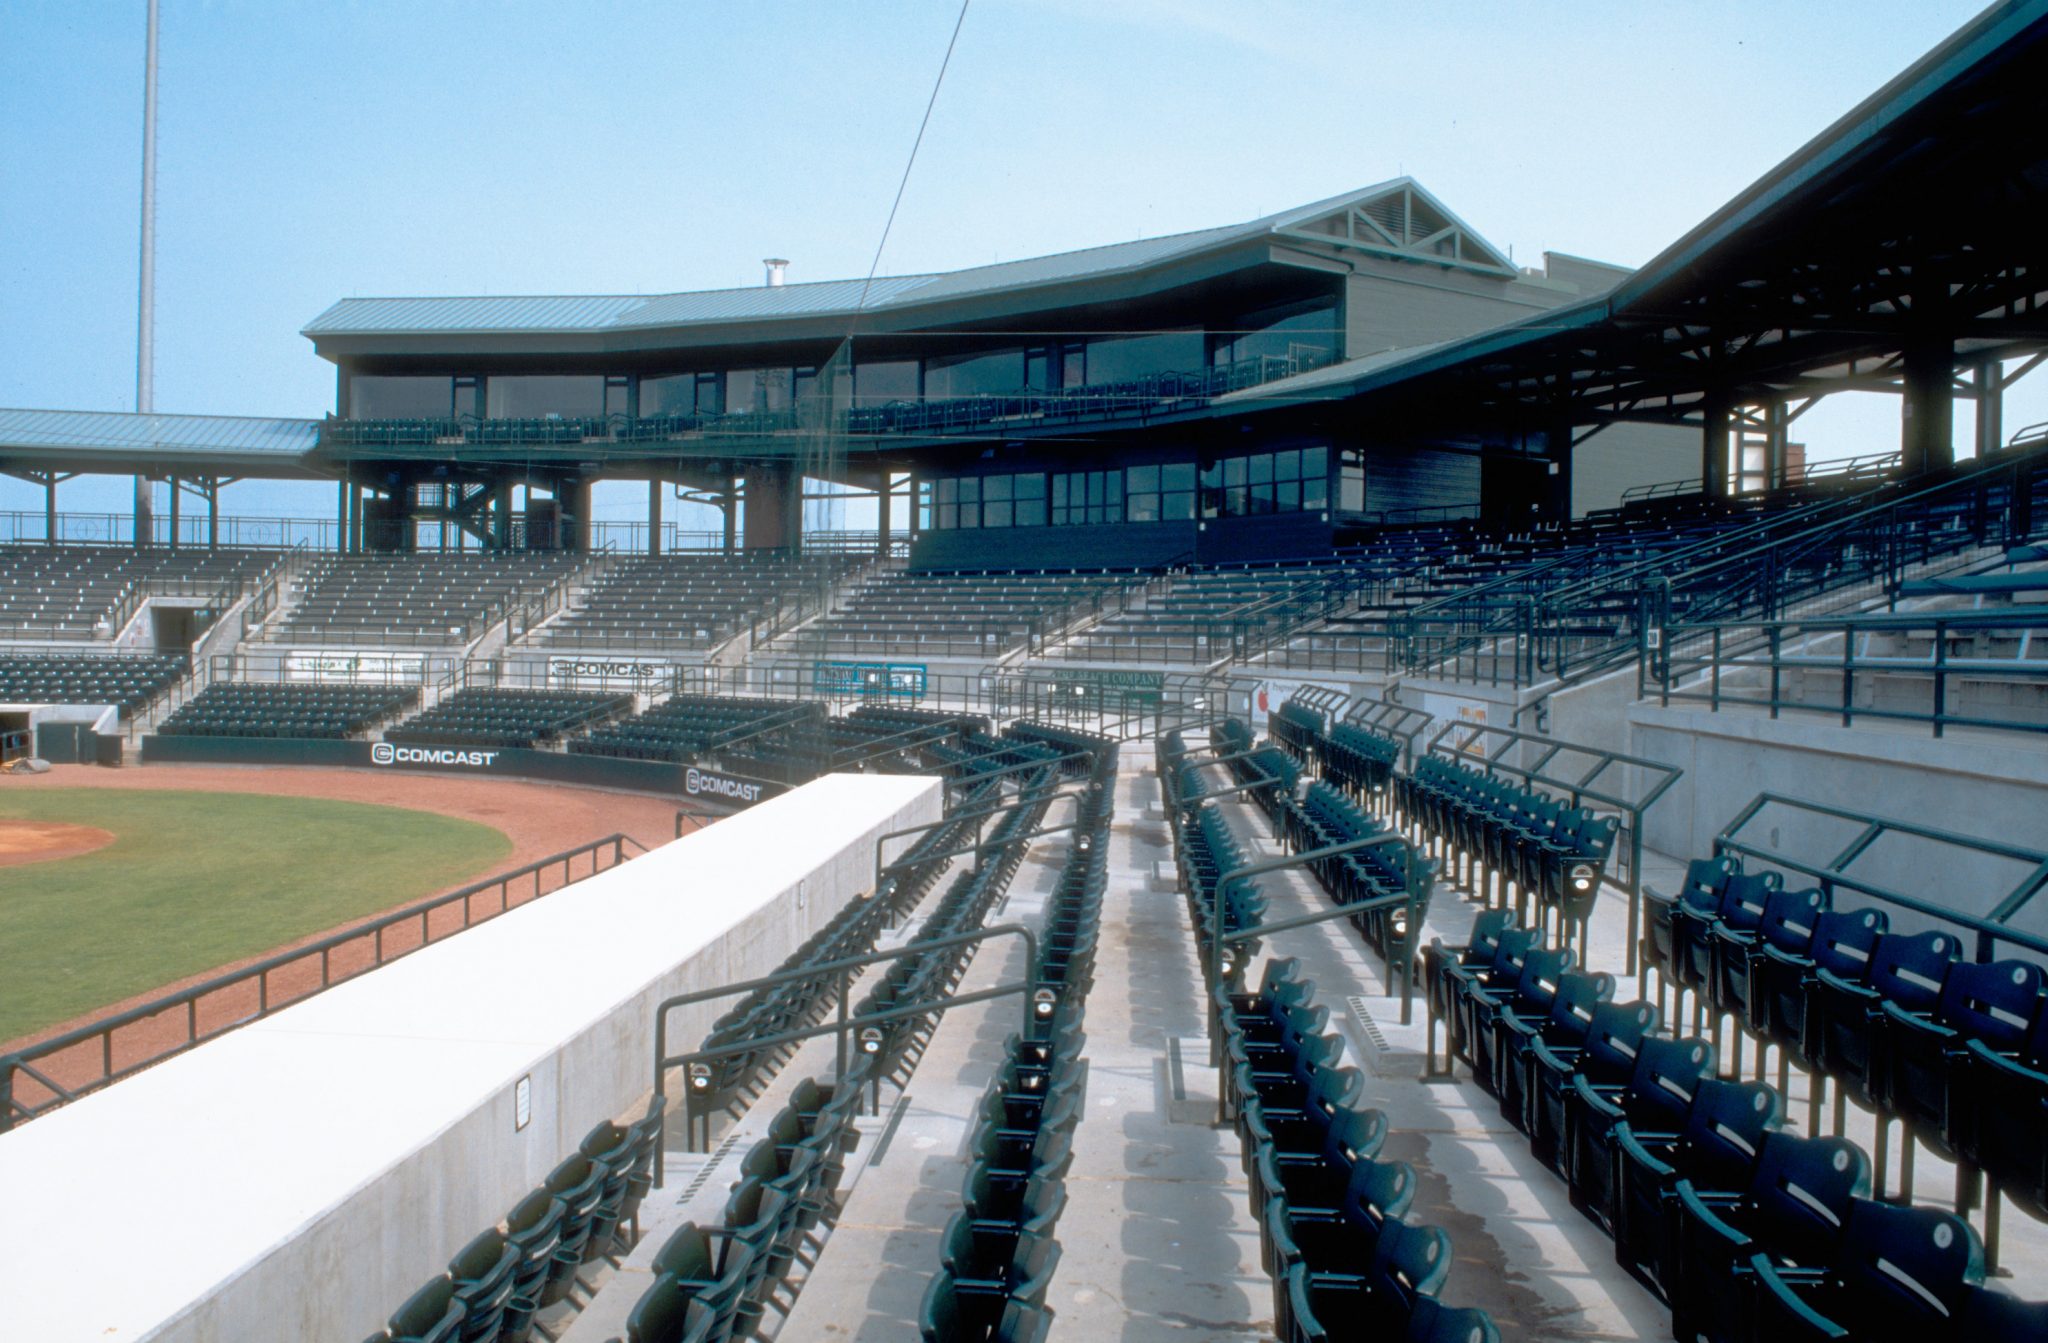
x,y
194,881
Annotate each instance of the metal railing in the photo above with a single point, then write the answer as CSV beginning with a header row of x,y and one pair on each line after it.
x,y
53,1072
1626,785
1869,835
1827,665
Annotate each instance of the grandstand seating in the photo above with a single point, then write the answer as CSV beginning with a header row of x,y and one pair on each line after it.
x,y
287,709
683,602
1343,1261
585,1211
68,592
508,718
687,726
934,615
444,598
127,681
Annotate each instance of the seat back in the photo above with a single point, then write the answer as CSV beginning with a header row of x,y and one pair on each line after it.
x,y
1409,1261
1789,918
1745,897
662,1314
1724,1132
1801,1191
1908,968
1542,971
1705,880
1511,951
1666,1077
1905,1265
1484,942
1615,1039
534,1228
429,1315
1434,1322
1578,993
1844,938
686,1254
1379,1190
1995,1002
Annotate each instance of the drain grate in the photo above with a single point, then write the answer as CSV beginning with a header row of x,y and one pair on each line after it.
x,y
711,1162
1363,1016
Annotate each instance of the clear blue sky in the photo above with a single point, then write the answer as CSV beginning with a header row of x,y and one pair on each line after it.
x,y
311,150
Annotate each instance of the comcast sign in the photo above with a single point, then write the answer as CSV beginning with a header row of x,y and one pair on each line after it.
x,y
384,753
702,782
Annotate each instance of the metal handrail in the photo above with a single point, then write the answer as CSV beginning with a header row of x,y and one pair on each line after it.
x,y
1260,868
21,1061
1990,928
1664,672
973,936
1579,788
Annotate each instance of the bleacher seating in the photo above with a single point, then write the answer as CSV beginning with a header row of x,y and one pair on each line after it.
x,y
71,592
420,600
1551,853
1748,1230
686,726
1343,1261
935,615
508,718
585,1211
126,680
684,602
287,709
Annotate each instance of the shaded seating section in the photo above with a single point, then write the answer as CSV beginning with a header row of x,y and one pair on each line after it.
x,y
1344,1262
587,1210
272,709
1504,835
686,602
127,681
69,592
414,599
1899,1021
937,615
1746,1229
508,718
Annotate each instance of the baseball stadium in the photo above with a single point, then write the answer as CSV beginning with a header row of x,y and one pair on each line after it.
x,y
1302,779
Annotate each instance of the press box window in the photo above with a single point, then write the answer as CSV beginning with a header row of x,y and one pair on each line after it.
x,y
1160,493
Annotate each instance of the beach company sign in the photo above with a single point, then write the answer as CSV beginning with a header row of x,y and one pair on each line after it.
x,y
384,753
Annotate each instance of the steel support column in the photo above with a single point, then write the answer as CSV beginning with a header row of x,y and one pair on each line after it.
x,y
1927,410
1714,437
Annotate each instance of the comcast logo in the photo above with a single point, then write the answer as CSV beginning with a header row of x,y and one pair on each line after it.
x,y
383,753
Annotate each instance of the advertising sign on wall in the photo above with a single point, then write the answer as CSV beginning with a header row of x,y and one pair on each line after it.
x,y
347,665
599,672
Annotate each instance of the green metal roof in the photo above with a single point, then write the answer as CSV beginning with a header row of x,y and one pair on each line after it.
x,y
121,441
826,298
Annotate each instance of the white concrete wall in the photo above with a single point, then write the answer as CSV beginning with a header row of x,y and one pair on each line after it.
x,y
298,1178
1969,783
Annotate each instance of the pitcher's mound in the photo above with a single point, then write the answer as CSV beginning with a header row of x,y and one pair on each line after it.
x,y
42,841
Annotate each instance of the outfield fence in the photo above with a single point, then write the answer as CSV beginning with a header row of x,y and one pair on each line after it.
x,y
56,1071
